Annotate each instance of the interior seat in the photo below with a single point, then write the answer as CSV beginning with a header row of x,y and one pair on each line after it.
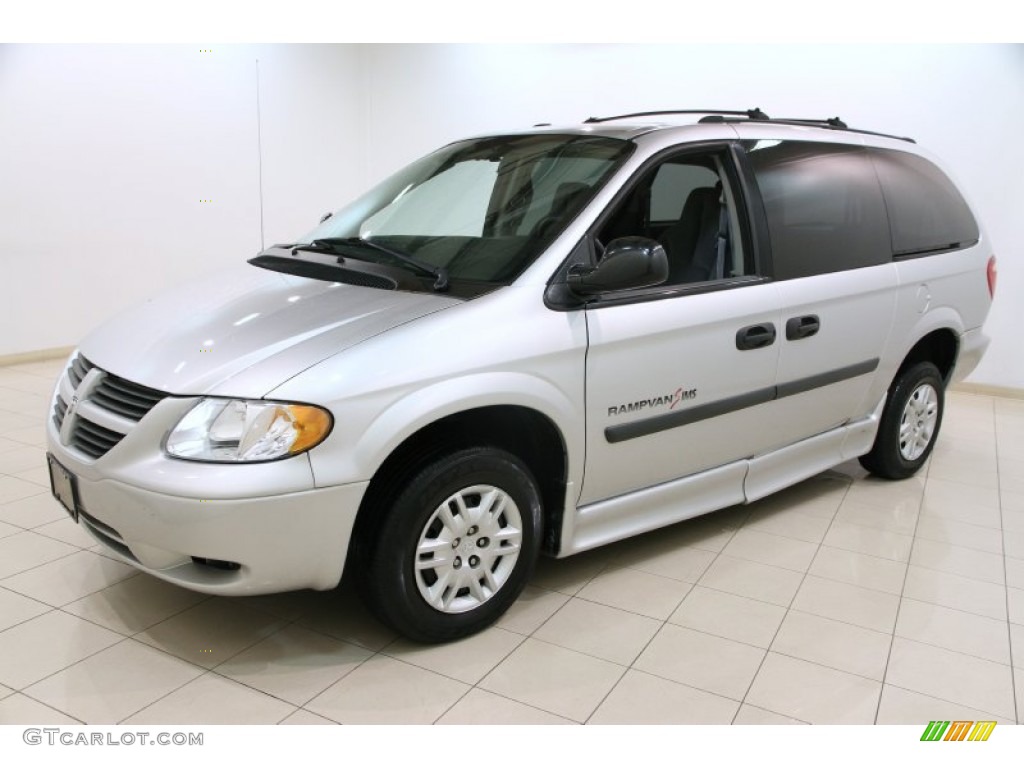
x,y
691,244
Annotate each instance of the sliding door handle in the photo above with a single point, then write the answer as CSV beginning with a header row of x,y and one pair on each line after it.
x,y
802,327
755,336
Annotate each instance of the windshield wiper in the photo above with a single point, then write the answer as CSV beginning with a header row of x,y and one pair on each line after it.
x,y
314,248
331,245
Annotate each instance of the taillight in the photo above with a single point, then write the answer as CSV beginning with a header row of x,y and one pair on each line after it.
x,y
992,274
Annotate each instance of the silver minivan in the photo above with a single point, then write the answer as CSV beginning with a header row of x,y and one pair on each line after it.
x,y
533,342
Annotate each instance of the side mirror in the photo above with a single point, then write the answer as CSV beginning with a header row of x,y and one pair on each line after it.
x,y
629,262
325,217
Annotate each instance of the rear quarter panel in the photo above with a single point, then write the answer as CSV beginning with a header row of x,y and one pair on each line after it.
x,y
946,290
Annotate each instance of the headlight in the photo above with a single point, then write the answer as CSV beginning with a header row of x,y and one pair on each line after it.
x,y
247,430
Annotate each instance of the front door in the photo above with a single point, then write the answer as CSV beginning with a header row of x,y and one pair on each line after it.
x,y
680,376
669,393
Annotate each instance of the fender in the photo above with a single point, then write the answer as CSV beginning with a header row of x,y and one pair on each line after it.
x,y
446,398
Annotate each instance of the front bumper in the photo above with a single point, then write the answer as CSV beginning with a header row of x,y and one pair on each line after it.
x,y
227,547
220,529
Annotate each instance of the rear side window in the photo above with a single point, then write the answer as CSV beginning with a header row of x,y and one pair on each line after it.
x,y
926,212
824,207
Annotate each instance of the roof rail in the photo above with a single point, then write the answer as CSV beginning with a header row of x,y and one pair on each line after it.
x,y
833,123
751,114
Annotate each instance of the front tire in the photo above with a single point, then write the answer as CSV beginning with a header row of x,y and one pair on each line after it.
x,y
456,547
910,423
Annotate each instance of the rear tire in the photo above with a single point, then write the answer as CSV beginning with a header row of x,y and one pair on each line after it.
x,y
455,548
910,423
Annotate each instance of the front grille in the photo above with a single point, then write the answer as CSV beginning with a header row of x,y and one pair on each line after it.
x,y
59,409
92,439
77,370
123,399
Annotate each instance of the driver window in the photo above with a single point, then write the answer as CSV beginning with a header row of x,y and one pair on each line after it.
x,y
686,204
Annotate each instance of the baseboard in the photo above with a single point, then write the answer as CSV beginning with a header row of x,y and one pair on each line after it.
x,y
992,390
36,356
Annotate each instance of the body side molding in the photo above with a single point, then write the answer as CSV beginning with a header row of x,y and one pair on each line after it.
x,y
633,429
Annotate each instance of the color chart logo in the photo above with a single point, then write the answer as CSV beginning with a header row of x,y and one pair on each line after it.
x,y
958,730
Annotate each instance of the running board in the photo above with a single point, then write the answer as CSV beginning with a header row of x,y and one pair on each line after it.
x,y
737,483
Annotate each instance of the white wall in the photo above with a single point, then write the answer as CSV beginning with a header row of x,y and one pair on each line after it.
x,y
311,135
105,151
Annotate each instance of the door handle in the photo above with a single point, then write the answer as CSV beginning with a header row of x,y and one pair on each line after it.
x,y
802,327
755,336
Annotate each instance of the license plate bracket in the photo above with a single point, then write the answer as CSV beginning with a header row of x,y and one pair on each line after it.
x,y
64,486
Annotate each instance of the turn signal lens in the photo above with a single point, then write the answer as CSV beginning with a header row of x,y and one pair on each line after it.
x,y
992,273
312,425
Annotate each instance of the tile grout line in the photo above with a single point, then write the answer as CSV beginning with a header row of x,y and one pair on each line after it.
x,y
281,721
48,706
204,670
64,669
789,606
61,608
625,667
903,586
943,700
604,567
374,653
952,608
57,560
1006,582
476,686
959,575
664,623
472,686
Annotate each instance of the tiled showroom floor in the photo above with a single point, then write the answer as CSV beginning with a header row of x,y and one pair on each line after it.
x,y
842,600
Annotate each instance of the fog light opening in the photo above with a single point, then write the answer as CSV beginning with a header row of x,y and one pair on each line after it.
x,y
220,565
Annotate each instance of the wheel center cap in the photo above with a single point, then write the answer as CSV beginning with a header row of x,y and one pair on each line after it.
x,y
465,547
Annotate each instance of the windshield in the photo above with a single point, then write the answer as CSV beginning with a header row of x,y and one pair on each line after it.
x,y
481,210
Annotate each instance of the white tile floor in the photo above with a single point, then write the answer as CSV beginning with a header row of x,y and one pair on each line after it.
x,y
842,600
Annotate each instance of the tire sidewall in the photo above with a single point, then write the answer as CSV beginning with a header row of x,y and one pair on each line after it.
x,y
394,564
890,455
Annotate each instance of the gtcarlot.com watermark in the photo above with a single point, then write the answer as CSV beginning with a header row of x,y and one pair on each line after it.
x,y
70,738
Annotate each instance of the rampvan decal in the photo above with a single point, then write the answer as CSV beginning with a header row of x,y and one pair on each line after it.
x,y
654,402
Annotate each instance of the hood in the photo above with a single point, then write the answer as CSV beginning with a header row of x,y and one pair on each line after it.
x,y
245,331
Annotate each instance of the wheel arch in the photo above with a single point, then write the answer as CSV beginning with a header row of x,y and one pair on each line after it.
x,y
940,346
523,431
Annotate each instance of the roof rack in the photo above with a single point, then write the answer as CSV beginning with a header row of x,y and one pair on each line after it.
x,y
754,115
751,114
833,123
